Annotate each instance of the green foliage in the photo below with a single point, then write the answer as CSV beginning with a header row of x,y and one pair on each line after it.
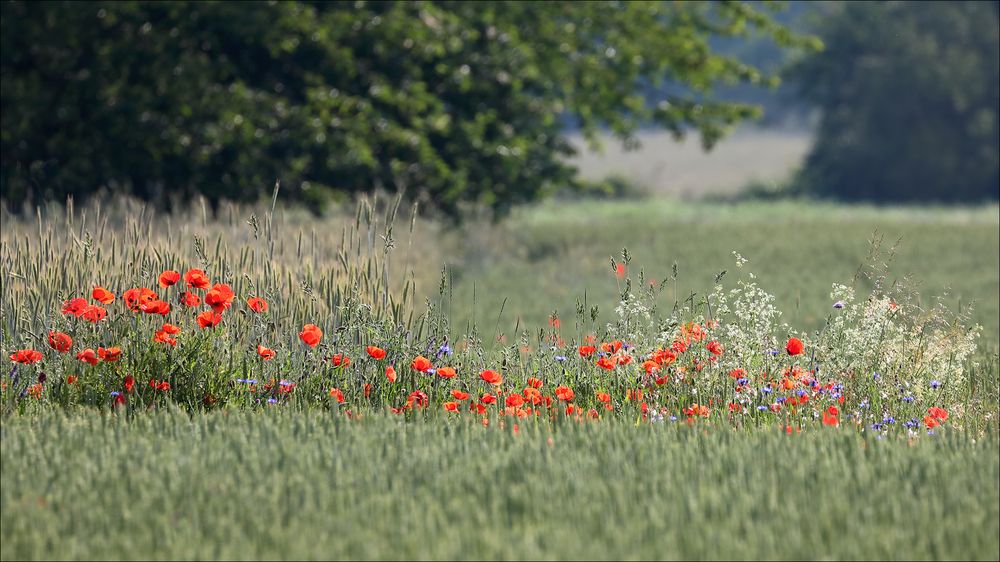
x,y
456,101
909,93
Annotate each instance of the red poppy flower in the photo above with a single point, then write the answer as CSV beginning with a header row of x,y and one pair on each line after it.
x,y
488,399
119,400
340,360
337,394
491,377
190,299
220,297
938,413
163,386
88,355
514,400
664,357
417,398
135,298
71,379
603,397
209,319
421,363
156,307
478,408
110,354
26,356
679,346
830,419
256,304
611,347
196,279
311,335
129,383
76,306
451,406
169,277
715,347
587,350
446,372
265,353
375,352
94,313
606,363
931,422
171,329
60,342
103,295
650,366
163,337
534,382
620,270
564,393
460,395
390,373
794,346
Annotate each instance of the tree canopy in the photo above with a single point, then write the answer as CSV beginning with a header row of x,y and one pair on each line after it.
x,y
457,101
909,94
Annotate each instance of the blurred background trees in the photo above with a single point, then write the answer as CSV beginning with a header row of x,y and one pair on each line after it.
x,y
459,101
909,94
471,102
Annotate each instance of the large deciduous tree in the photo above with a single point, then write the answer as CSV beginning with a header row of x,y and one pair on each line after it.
x,y
460,101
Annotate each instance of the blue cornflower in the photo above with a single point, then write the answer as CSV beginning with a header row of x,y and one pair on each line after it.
x,y
889,420
762,408
673,418
782,399
838,304
742,382
272,400
772,352
876,426
912,423
801,392
432,371
863,404
767,389
561,358
935,384
247,381
876,376
285,383
445,349
907,399
116,394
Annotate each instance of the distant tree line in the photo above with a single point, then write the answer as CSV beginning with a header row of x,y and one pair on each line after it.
x,y
458,101
909,94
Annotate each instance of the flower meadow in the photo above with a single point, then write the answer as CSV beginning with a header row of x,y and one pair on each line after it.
x,y
158,328
271,385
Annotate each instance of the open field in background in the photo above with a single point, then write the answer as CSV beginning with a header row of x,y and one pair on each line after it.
x,y
545,258
666,167
306,486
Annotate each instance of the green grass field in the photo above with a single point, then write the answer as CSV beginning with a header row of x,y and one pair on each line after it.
x,y
546,258
307,486
299,481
